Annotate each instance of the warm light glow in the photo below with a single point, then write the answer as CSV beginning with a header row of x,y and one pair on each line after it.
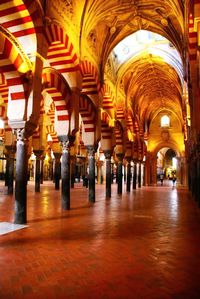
x,y
49,138
150,43
130,135
32,157
1,124
165,121
174,163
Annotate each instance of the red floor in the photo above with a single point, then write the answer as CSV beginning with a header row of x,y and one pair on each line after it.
x,y
145,244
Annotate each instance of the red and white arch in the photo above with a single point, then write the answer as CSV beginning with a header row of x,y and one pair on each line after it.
x,y
119,137
59,92
90,82
106,131
88,115
13,65
23,20
61,53
108,100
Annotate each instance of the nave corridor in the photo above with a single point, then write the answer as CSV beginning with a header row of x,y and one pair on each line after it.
x,y
142,244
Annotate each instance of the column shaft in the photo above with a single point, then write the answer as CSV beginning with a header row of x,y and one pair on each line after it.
x,y
119,187
57,171
65,175
134,175
91,162
128,181
21,179
139,175
108,173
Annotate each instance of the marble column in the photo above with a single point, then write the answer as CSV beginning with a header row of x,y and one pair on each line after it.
x,y
119,172
91,164
134,175
10,167
57,170
38,154
107,154
139,174
65,175
128,181
21,178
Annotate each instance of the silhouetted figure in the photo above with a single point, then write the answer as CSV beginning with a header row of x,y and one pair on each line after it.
x,y
161,178
174,179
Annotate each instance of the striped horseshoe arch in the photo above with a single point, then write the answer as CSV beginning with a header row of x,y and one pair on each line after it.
x,y
88,114
2,117
51,131
129,123
57,88
119,136
3,89
108,100
61,54
120,113
90,84
23,20
192,39
105,128
13,67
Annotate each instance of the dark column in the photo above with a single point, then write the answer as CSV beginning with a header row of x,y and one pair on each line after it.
x,y
65,175
144,174
139,175
91,162
134,175
38,154
21,178
7,167
198,180
42,169
108,173
72,171
119,170
57,170
125,174
10,167
128,182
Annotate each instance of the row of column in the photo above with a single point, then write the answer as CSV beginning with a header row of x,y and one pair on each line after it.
x,y
22,174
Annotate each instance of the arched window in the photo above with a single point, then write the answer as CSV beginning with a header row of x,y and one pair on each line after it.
x,y
165,121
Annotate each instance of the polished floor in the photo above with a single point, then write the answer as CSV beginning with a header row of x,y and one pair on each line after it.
x,y
141,245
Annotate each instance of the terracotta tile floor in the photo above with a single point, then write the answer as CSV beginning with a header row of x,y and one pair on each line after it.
x,y
145,244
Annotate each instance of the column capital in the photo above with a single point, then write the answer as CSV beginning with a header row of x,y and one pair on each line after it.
x,y
10,149
20,135
128,159
120,156
66,141
38,153
57,156
65,146
91,150
107,154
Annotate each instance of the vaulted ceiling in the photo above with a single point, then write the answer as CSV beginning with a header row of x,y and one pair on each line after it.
x,y
148,81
